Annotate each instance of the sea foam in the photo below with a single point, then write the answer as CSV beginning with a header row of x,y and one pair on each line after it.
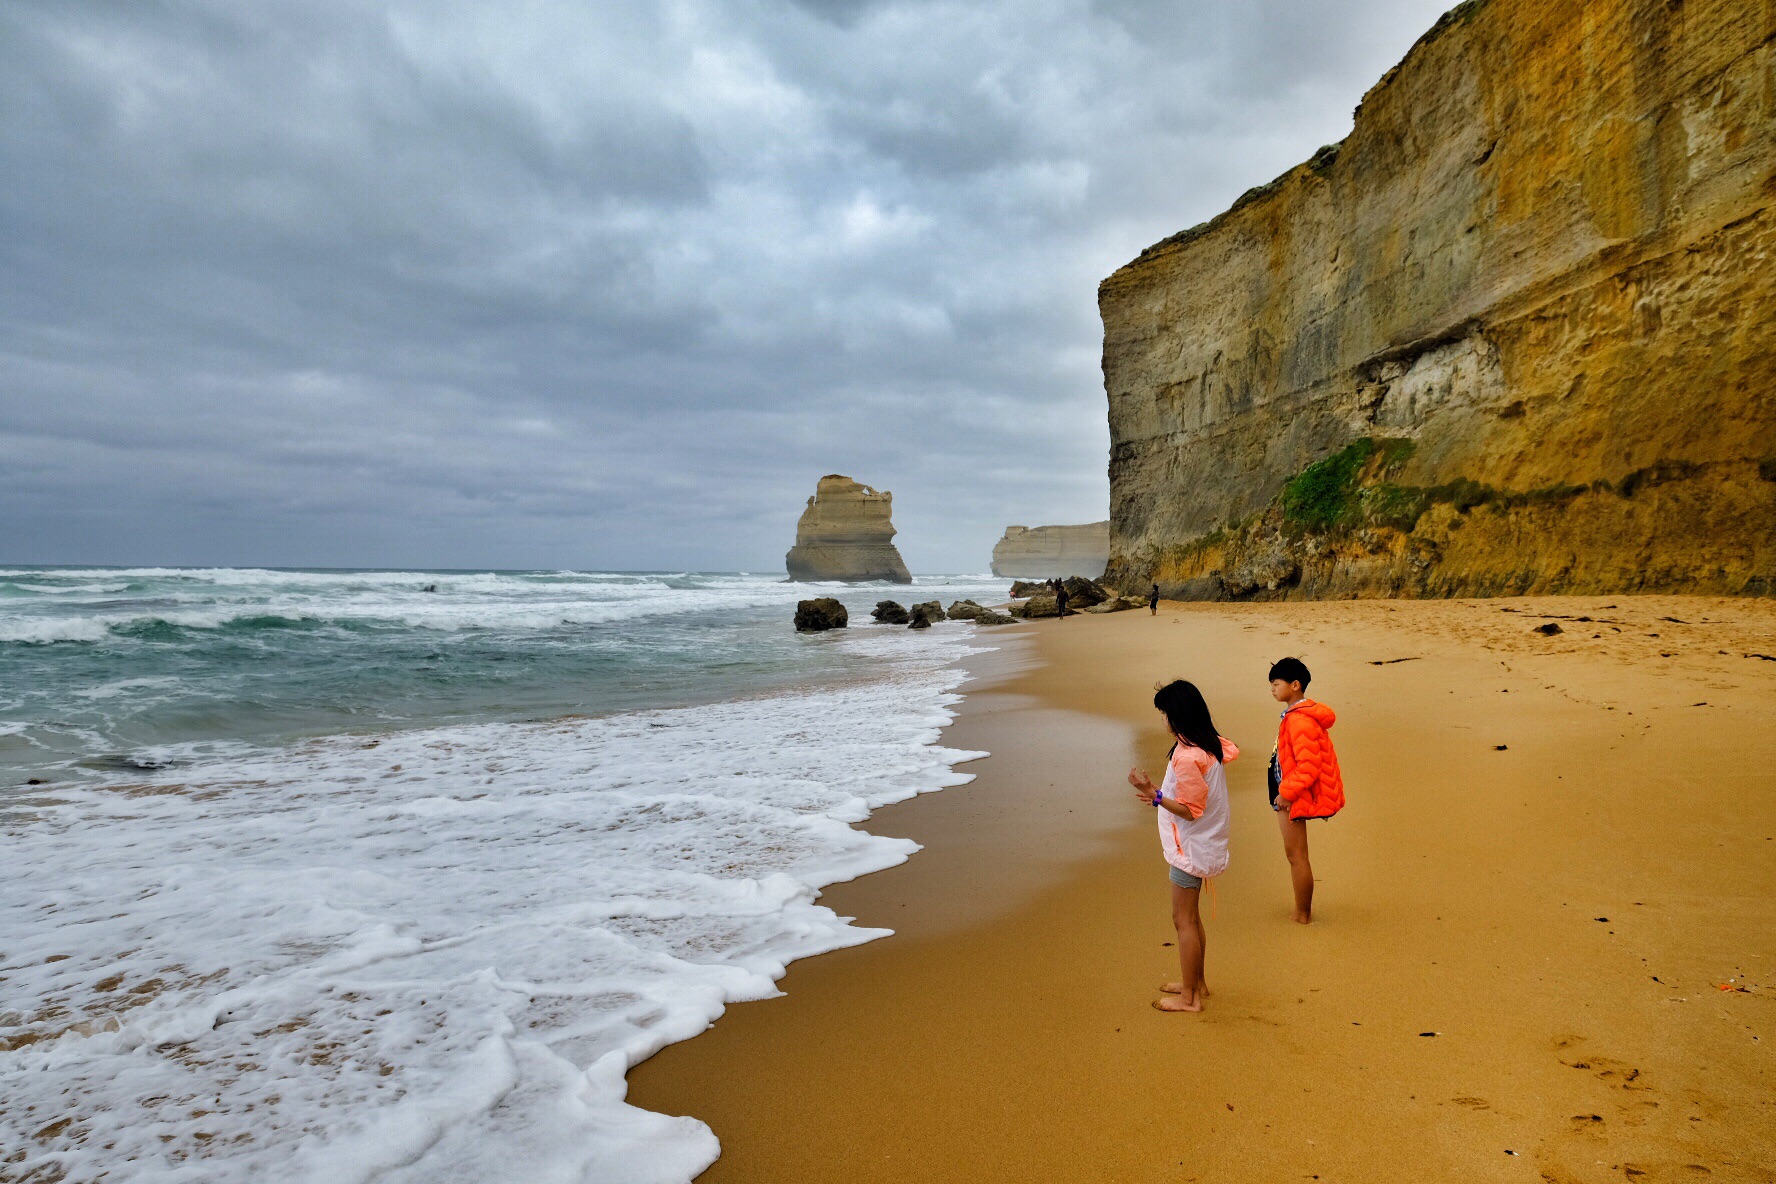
x,y
433,955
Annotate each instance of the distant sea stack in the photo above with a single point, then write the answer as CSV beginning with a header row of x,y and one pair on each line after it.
x,y
1515,334
845,534
1044,551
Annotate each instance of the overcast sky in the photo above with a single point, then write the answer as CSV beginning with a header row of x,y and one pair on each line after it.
x,y
599,283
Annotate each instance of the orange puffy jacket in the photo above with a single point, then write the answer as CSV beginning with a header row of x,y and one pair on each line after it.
x,y
1312,784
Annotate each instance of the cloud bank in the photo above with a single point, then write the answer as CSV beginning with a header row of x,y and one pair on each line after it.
x,y
555,284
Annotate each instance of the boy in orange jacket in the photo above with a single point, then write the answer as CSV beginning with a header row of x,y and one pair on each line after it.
x,y
1304,778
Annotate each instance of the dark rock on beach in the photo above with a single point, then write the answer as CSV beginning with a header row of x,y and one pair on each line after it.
x,y
1036,606
889,612
1022,588
1117,604
816,616
923,616
1083,593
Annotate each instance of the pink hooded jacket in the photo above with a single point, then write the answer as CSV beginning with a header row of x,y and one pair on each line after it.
x,y
1196,781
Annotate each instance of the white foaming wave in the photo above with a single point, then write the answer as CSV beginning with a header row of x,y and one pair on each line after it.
x,y
100,626
124,686
46,630
58,590
535,609
433,956
260,577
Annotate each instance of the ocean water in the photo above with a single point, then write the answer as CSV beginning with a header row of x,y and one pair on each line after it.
x,y
348,876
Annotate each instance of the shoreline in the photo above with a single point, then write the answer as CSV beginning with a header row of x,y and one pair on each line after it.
x,y
1005,1031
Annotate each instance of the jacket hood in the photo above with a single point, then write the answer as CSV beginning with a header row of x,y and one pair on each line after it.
x,y
1318,712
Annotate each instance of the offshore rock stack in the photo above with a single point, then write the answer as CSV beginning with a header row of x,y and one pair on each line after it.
x,y
845,534
1042,551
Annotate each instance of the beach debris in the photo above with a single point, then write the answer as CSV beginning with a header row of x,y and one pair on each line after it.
x,y
820,614
1392,661
890,612
1603,919
1550,629
1430,1033
1763,657
1501,747
1230,1105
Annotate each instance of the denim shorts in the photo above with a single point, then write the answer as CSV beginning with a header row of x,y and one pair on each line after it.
x,y
1184,879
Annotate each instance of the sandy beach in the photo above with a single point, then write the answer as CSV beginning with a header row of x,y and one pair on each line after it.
x,y
1543,947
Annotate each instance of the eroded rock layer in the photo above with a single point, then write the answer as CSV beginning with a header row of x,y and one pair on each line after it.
x,y
1516,333
845,534
1043,551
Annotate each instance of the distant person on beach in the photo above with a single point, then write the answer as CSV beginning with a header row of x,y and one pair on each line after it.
x,y
1193,823
1304,778
1060,600
1153,602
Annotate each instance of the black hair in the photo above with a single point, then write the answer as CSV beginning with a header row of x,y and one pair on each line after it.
x,y
1188,715
1291,670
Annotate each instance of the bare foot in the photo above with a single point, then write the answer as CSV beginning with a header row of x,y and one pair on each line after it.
x,y
1301,918
1178,989
1178,1003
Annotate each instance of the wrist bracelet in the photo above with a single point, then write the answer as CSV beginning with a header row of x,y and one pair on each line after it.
x,y
1158,796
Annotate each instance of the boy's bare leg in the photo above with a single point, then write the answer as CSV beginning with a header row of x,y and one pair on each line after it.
x,y
1301,874
1191,941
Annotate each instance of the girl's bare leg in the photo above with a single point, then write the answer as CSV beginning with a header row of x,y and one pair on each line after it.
x,y
1202,938
1191,941
1301,875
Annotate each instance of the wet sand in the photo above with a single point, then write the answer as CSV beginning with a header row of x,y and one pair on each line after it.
x,y
1515,971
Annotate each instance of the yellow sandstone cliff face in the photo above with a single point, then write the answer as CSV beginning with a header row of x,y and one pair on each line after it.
x,y
1516,333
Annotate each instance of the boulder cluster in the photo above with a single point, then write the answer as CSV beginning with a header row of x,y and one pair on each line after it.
x,y
924,616
1083,595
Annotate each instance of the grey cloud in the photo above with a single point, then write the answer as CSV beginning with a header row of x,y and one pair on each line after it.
x,y
434,283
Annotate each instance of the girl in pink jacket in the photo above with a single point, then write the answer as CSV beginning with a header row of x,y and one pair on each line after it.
x,y
1193,821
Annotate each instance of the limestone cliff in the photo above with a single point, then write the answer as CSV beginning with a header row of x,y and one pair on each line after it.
x,y
1043,551
845,534
1516,333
